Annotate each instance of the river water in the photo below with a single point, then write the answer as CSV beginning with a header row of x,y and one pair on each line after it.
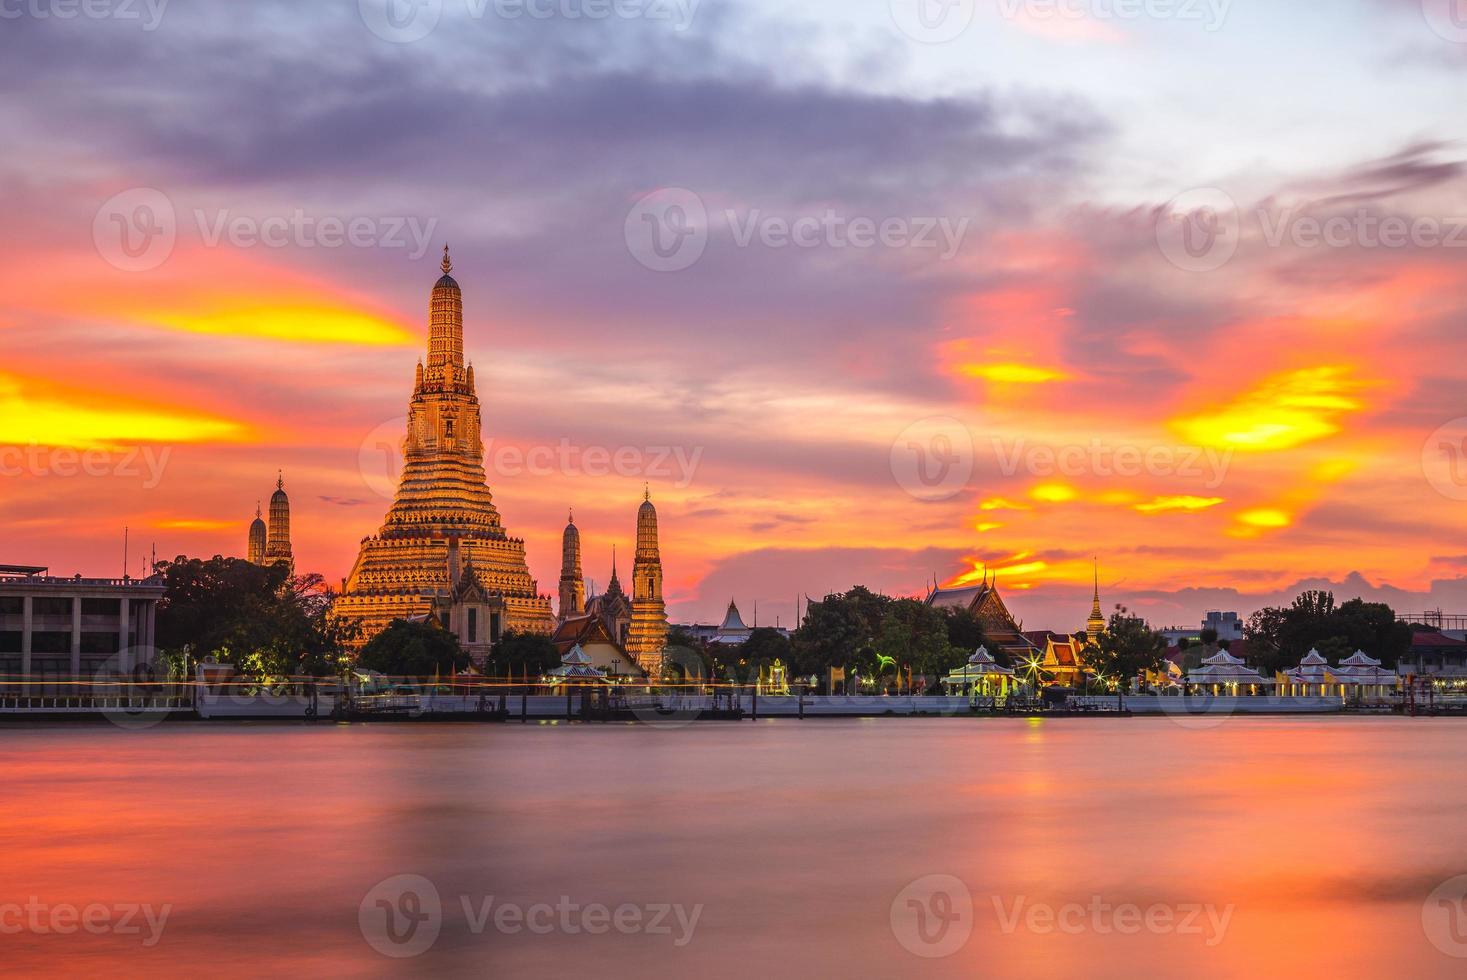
x,y
955,847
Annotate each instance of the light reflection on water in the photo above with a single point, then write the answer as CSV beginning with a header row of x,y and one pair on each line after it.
x,y
1323,836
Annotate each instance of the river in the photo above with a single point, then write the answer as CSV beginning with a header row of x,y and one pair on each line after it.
x,y
1328,846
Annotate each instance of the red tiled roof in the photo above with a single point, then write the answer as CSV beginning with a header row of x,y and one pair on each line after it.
x,y
1435,640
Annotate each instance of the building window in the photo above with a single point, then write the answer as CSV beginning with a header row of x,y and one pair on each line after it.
x,y
46,605
12,605
448,428
101,607
473,626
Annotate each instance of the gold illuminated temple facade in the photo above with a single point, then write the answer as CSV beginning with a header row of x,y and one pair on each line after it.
x,y
442,550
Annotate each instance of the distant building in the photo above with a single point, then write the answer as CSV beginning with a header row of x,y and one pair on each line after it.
x,y
647,633
733,631
1435,655
54,628
1229,625
270,543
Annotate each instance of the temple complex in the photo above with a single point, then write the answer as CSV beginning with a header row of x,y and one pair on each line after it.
x,y
442,548
647,635
984,602
1095,625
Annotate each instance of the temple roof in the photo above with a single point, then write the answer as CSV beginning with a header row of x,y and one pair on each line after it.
x,y
731,619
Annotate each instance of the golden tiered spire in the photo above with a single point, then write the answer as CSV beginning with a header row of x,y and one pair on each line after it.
x,y
647,635
1096,624
443,501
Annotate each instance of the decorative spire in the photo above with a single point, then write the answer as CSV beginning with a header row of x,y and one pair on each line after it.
x,y
447,264
647,491
258,513
280,480
571,515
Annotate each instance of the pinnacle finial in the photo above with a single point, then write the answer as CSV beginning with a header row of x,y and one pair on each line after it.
x,y
571,512
447,264
280,480
647,492
257,509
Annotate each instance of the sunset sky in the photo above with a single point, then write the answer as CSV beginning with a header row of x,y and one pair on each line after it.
x,y
1285,408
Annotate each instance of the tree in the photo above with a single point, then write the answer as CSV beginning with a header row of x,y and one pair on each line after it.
x,y
915,635
965,630
258,619
525,654
408,649
1279,637
836,629
1125,649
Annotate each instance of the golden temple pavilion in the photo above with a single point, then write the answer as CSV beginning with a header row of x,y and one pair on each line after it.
x,y
442,542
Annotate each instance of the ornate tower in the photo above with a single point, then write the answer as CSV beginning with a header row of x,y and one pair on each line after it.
x,y
572,584
647,636
1095,625
258,536
411,565
277,538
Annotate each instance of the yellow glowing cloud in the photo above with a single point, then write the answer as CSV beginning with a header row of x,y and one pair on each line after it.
x,y
315,324
987,527
1019,374
1265,517
1001,503
1053,493
1280,412
1182,502
85,420
195,524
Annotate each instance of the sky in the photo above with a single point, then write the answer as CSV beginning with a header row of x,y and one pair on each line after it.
x,y
864,292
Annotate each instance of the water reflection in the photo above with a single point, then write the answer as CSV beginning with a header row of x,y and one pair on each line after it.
x,y
1321,840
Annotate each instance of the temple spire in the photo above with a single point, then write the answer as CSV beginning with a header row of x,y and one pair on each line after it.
x,y
447,264
279,479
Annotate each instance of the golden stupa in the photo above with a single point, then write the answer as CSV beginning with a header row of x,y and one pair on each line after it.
x,y
647,635
443,533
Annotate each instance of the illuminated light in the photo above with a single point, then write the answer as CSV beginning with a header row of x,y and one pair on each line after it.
x,y
1016,374
304,323
1265,517
1053,493
87,420
1183,502
1000,503
1280,412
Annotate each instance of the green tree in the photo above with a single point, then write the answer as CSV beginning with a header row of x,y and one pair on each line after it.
x,y
1279,637
1125,649
524,654
836,630
258,619
916,636
418,650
